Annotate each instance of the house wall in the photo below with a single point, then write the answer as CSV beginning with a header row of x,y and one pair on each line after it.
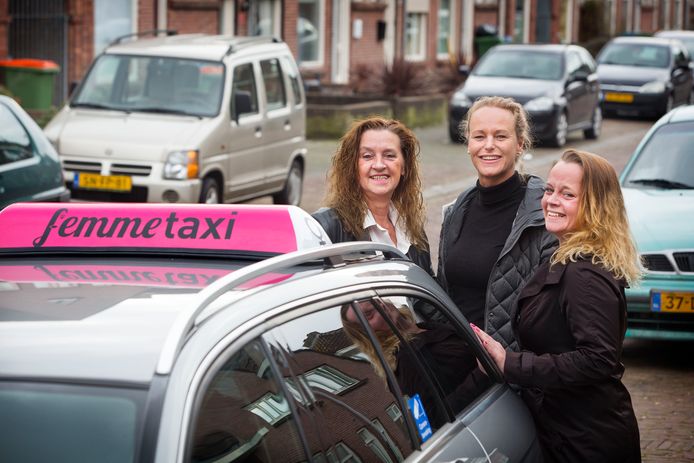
x,y
368,49
80,38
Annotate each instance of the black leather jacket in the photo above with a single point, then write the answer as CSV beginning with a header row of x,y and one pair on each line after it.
x,y
332,225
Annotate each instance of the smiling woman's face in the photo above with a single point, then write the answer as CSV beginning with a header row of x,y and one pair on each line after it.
x,y
493,145
380,165
561,200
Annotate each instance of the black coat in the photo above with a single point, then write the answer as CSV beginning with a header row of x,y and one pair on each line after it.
x,y
570,326
337,233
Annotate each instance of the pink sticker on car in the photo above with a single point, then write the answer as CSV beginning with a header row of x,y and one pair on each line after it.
x,y
262,229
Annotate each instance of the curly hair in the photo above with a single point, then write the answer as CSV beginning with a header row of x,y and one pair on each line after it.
x,y
520,117
602,227
348,200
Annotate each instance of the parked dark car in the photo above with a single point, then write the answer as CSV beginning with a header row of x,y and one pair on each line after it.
x,y
29,166
658,187
686,37
644,75
557,85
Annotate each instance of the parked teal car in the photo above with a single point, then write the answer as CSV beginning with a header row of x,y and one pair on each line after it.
x,y
29,166
658,186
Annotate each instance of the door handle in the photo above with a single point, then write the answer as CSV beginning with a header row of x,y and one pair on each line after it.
x,y
258,132
287,125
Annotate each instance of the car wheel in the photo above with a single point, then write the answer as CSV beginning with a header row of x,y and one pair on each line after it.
x,y
210,191
595,125
561,130
291,193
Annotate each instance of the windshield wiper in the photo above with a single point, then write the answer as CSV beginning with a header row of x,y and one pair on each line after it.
x,y
96,106
662,183
159,110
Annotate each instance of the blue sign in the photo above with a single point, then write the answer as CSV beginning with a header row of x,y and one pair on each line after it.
x,y
421,420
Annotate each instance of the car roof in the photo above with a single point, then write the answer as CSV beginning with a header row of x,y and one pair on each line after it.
x,y
77,309
674,33
645,40
549,47
197,46
679,114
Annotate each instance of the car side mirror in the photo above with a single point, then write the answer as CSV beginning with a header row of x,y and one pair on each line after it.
x,y
579,76
464,70
242,104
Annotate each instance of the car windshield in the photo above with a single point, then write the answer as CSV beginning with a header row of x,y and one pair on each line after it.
x,y
666,161
636,54
69,422
521,64
153,84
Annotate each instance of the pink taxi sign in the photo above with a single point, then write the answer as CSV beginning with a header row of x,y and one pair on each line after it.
x,y
36,227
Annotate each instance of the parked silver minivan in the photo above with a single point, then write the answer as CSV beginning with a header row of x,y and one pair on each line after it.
x,y
186,118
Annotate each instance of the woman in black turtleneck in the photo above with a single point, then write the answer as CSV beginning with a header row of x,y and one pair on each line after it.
x,y
493,237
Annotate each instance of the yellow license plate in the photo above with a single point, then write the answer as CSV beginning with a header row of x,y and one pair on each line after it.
x,y
103,182
672,301
619,97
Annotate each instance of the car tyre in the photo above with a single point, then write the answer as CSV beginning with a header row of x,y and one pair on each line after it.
x,y
291,193
593,131
210,191
561,130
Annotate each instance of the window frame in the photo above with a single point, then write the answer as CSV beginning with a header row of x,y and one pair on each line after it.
x,y
451,24
320,61
421,55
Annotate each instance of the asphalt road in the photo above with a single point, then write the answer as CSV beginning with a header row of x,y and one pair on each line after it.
x,y
659,375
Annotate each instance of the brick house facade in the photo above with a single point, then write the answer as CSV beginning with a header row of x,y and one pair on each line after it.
x,y
330,38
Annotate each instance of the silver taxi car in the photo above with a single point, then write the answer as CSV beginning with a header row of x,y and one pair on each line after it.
x,y
158,333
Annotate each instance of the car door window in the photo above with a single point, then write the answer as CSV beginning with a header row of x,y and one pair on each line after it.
x,y
244,414
275,93
573,63
431,347
343,388
15,143
244,94
293,74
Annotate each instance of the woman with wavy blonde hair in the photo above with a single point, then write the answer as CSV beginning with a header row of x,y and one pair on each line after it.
x,y
375,191
572,320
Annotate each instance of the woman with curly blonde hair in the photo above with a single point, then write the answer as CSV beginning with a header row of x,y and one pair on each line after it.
x,y
572,320
375,190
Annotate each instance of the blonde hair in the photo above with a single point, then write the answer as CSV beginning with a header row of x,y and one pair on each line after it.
x,y
347,198
401,318
520,117
602,227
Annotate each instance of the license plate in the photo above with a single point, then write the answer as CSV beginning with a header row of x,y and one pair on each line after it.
x,y
102,182
672,301
619,97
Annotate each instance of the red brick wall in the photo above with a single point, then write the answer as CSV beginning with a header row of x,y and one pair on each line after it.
x,y
187,21
146,15
4,28
290,15
647,20
486,16
80,38
367,49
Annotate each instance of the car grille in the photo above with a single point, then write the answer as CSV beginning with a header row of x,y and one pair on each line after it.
x,y
660,321
680,262
116,169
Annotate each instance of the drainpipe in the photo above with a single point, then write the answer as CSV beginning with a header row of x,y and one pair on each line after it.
x,y
502,19
161,14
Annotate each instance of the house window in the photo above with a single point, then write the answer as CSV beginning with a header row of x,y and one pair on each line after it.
x,y
442,46
415,36
375,445
112,19
309,31
329,379
270,407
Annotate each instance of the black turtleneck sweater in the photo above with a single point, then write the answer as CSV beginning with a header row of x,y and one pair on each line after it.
x,y
486,226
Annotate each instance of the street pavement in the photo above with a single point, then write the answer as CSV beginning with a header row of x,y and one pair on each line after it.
x,y
659,375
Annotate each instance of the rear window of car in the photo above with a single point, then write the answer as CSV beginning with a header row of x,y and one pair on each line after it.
x,y
65,422
636,54
670,168
522,64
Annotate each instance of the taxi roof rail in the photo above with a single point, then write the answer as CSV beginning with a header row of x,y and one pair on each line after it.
x,y
334,255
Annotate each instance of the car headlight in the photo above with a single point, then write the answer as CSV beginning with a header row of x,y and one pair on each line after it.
x,y
543,103
653,87
181,165
460,99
